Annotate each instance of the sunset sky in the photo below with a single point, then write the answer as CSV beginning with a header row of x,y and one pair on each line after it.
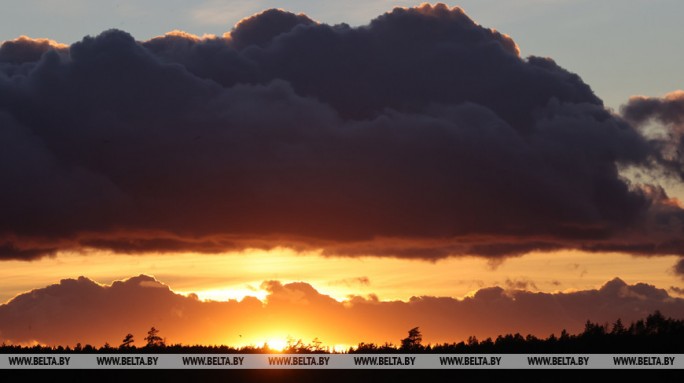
x,y
246,172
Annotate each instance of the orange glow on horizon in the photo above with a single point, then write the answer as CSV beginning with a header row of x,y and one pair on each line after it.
x,y
226,294
301,314
234,276
247,279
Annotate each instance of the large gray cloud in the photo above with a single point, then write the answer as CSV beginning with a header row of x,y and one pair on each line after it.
x,y
80,310
661,119
668,113
419,135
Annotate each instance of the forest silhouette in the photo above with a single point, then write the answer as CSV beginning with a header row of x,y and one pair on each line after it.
x,y
654,334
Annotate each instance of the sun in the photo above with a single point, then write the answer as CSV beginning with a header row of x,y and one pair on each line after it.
x,y
276,344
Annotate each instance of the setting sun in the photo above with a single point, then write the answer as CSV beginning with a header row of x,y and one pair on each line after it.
x,y
276,344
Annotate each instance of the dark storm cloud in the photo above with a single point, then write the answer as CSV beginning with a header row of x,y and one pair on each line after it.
x,y
662,120
261,31
80,310
679,267
419,135
668,113
9,251
669,109
25,49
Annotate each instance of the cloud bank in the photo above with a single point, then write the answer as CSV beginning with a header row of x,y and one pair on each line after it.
x,y
667,113
422,134
80,310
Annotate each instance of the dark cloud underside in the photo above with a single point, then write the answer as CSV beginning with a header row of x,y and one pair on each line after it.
x,y
419,135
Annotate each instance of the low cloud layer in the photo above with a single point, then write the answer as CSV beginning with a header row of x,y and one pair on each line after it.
x,y
422,135
80,310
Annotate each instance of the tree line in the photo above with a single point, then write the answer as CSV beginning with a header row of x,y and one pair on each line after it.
x,y
654,334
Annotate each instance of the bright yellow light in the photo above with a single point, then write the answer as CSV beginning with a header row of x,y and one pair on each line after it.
x,y
226,294
276,344
341,347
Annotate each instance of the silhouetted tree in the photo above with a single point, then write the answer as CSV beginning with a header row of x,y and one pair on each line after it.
x,y
412,342
154,340
618,328
654,334
127,341
315,345
656,323
593,330
294,345
299,347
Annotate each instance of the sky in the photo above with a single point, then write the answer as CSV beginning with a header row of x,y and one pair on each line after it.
x,y
248,172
